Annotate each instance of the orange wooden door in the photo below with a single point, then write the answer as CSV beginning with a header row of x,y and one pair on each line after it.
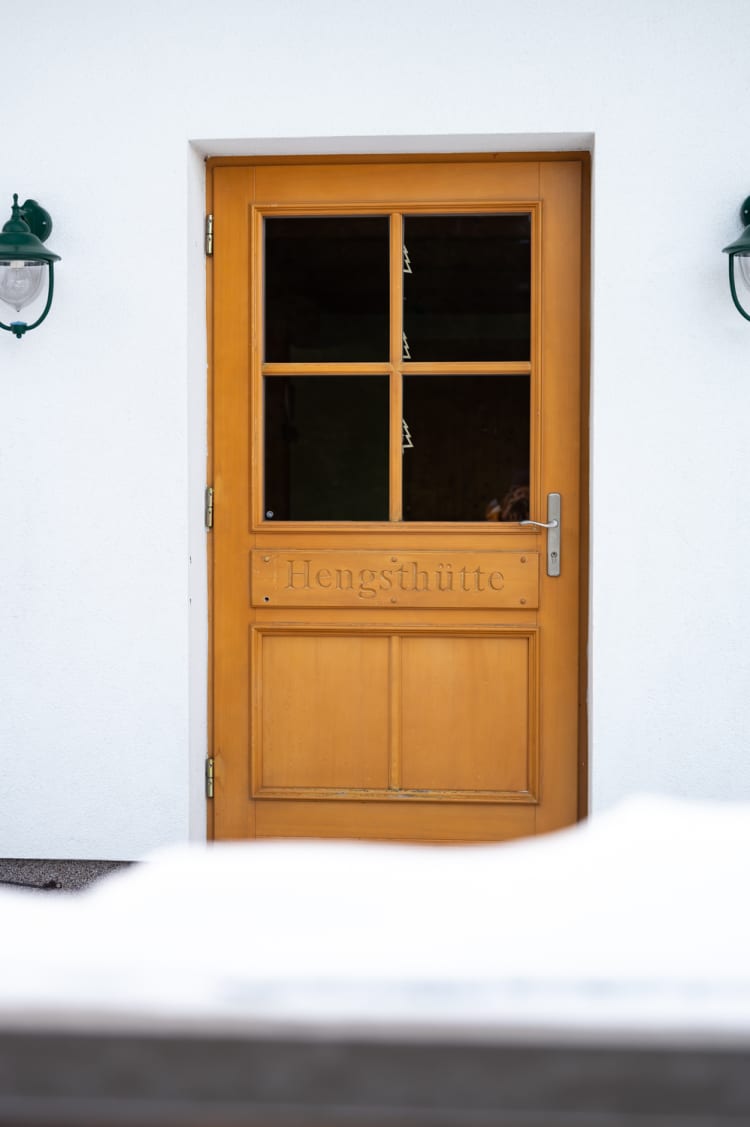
x,y
396,384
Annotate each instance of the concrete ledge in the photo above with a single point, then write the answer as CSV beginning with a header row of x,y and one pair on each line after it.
x,y
116,1081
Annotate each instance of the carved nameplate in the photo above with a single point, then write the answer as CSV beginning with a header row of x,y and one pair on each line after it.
x,y
394,579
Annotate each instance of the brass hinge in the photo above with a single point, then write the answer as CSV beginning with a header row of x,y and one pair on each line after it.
x,y
208,508
210,777
209,235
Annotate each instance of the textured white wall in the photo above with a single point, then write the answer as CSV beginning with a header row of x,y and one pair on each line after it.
x,y
102,615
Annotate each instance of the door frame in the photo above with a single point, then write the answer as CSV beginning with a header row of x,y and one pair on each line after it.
x,y
584,159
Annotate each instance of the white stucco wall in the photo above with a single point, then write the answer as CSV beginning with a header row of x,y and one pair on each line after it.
x,y
102,553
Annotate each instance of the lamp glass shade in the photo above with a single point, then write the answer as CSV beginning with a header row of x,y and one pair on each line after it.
x,y
21,282
744,261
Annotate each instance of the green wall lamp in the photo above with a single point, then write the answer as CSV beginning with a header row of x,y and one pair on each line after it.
x,y
24,262
740,249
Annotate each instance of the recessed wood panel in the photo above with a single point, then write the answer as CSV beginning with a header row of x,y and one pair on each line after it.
x,y
323,717
395,579
467,710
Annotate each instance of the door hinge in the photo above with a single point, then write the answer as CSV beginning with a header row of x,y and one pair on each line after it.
x,y
210,777
208,508
209,235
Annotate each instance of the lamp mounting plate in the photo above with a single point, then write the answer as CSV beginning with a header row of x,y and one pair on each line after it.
x,y
39,221
745,213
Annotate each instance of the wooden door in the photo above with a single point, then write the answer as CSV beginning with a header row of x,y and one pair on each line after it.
x,y
396,385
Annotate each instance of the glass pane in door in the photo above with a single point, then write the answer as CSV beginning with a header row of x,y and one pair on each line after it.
x,y
467,287
326,448
469,453
326,289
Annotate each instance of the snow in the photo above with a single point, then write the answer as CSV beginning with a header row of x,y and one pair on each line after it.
x,y
632,926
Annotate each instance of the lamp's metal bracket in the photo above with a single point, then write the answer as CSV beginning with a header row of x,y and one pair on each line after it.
x,y
37,219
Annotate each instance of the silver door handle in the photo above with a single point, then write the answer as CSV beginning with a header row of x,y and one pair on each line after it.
x,y
554,516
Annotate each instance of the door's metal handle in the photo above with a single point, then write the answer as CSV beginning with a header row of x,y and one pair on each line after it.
x,y
552,523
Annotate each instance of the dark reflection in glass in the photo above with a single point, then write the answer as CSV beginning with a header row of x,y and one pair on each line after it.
x,y
326,448
467,287
470,454
326,289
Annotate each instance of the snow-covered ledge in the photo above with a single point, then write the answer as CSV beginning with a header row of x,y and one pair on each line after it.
x,y
599,975
634,926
